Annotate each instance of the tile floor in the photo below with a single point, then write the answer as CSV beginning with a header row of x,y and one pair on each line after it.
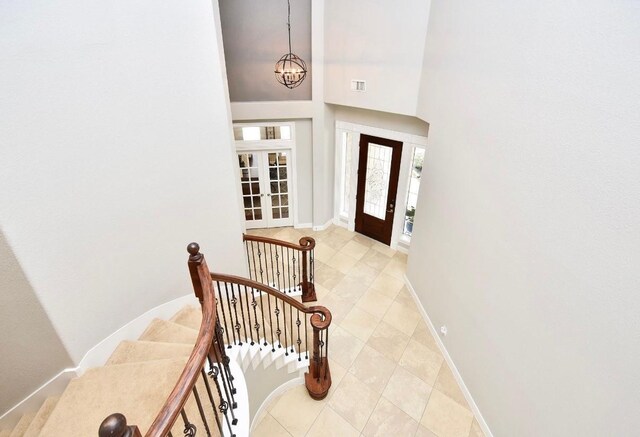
x,y
388,375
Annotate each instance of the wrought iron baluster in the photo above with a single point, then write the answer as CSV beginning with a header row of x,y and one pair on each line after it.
x,y
301,254
220,302
278,283
321,344
201,411
326,350
311,263
224,357
273,344
278,331
260,262
264,328
244,321
234,302
284,325
293,261
291,326
256,325
298,341
189,428
273,276
211,400
246,298
306,337
214,372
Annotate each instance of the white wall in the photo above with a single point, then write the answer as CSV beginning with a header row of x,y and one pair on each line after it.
x,y
116,153
527,231
381,42
255,37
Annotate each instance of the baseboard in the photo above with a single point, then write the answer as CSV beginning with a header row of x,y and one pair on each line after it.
x,y
449,360
324,226
99,354
274,394
303,226
32,403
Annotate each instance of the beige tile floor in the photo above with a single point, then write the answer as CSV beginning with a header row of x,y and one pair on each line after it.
x,y
389,377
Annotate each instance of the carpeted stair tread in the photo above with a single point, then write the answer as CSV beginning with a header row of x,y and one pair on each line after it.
x,y
189,316
41,417
169,332
5,433
137,390
22,425
131,351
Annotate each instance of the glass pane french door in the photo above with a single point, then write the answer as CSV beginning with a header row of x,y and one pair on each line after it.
x,y
265,178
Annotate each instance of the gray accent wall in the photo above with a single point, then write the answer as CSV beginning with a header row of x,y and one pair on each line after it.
x,y
255,37
32,353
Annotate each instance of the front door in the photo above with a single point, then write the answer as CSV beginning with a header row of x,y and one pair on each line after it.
x,y
378,172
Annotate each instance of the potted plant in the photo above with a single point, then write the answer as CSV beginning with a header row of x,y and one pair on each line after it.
x,y
409,215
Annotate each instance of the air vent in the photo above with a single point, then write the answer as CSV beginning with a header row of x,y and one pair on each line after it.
x,y
358,85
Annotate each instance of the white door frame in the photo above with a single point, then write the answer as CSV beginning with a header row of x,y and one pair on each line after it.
x,y
275,146
409,143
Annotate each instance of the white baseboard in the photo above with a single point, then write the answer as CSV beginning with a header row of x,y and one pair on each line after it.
x,y
95,357
324,226
274,394
303,226
449,360
54,387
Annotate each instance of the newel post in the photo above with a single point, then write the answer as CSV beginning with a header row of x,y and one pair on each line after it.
x,y
308,287
318,379
115,425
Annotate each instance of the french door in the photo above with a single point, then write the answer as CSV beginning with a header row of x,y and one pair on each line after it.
x,y
378,172
265,178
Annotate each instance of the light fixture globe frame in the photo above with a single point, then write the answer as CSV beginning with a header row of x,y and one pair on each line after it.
x,y
290,70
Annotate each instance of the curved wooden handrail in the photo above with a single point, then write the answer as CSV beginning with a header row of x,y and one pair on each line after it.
x,y
319,310
167,416
305,243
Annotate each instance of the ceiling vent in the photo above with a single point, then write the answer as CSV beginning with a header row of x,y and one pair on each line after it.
x,y
358,85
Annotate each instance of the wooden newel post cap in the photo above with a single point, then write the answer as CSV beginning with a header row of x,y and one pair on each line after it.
x,y
194,252
114,425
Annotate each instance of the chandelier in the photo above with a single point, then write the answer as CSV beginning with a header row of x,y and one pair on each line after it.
x,y
290,69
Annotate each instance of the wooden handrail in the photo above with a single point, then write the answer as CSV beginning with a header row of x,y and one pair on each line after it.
x,y
167,416
305,243
305,261
325,314
318,379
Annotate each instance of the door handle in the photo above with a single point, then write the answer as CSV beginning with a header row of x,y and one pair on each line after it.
x,y
391,207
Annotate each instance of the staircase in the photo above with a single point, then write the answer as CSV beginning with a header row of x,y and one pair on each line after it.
x,y
241,324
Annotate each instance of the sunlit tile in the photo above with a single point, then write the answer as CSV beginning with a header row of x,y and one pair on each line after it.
x,y
269,427
389,420
354,401
407,392
376,260
402,317
323,253
297,399
341,262
387,285
447,384
388,341
359,323
446,417
373,369
422,362
331,423
344,347
354,249
375,303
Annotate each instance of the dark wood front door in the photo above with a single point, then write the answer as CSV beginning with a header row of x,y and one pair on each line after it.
x,y
378,171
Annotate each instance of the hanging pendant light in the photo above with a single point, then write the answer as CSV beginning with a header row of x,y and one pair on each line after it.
x,y
290,69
